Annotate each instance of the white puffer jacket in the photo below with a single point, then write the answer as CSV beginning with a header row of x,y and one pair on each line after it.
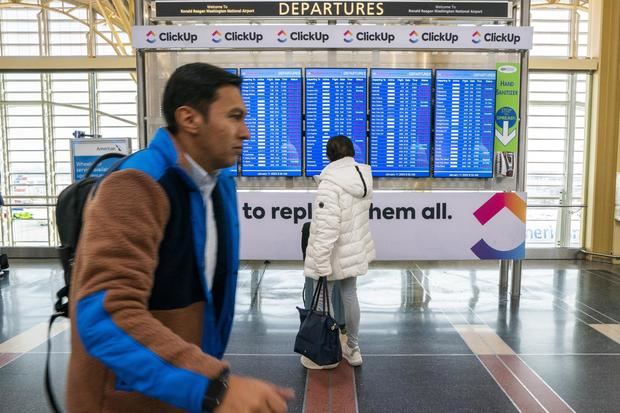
x,y
340,245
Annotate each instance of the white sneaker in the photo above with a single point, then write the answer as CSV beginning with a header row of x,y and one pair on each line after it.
x,y
309,364
352,355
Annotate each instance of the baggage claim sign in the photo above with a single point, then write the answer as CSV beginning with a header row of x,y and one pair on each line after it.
x,y
331,9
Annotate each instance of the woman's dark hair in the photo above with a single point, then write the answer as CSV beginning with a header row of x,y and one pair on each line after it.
x,y
339,147
194,85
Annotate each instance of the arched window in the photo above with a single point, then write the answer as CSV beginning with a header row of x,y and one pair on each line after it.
x,y
39,110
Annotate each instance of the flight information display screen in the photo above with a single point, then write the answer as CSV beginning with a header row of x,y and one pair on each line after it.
x,y
232,170
400,122
273,99
335,105
464,123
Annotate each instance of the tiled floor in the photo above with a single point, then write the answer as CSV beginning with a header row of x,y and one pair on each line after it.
x,y
436,337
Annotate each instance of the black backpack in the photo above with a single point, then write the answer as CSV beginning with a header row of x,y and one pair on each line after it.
x,y
69,208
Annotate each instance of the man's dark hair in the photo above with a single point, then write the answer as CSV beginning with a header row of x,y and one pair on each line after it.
x,y
339,147
194,85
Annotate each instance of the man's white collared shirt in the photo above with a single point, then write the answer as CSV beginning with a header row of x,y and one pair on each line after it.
x,y
206,182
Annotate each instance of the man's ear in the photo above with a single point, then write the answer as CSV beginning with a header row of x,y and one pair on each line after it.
x,y
188,119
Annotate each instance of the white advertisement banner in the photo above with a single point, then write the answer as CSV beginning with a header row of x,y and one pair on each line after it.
x,y
404,225
339,37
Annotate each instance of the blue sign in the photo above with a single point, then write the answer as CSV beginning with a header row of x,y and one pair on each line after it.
x,y
464,123
85,151
400,122
335,105
273,99
506,114
232,170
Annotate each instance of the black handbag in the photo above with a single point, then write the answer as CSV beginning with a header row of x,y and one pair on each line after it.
x,y
319,337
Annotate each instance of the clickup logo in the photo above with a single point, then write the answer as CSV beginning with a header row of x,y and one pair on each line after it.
x,y
475,37
151,37
515,204
348,36
413,37
216,36
282,36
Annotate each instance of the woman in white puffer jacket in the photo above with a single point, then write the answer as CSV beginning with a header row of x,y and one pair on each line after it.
x,y
340,246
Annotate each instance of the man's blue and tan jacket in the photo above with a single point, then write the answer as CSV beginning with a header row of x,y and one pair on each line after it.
x,y
147,334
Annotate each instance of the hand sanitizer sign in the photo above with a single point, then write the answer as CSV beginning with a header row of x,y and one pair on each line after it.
x,y
507,107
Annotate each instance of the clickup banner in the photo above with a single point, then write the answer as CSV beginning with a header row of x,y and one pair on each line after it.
x,y
404,225
402,37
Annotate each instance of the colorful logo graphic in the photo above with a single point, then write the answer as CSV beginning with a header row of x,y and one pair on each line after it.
x,y
486,212
413,37
476,37
282,36
216,36
348,36
150,37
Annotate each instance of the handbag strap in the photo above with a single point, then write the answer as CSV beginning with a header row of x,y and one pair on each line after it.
x,y
315,296
326,298
321,287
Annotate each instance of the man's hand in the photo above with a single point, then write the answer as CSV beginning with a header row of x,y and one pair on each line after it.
x,y
249,395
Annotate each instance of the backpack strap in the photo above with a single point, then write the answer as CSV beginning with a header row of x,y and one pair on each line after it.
x,y
102,158
48,381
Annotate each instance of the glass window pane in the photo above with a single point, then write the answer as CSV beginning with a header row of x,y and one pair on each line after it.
x,y
62,156
63,167
25,133
26,144
575,230
75,98
545,145
27,179
541,227
30,226
25,168
25,121
549,157
75,122
63,134
28,190
546,133
26,156
62,144
15,96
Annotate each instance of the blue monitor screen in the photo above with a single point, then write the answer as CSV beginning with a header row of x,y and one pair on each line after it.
x,y
464,123
335,105
232,170
400,122
273,100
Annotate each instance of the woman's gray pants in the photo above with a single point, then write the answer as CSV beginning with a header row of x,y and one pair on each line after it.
x,y
343,303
